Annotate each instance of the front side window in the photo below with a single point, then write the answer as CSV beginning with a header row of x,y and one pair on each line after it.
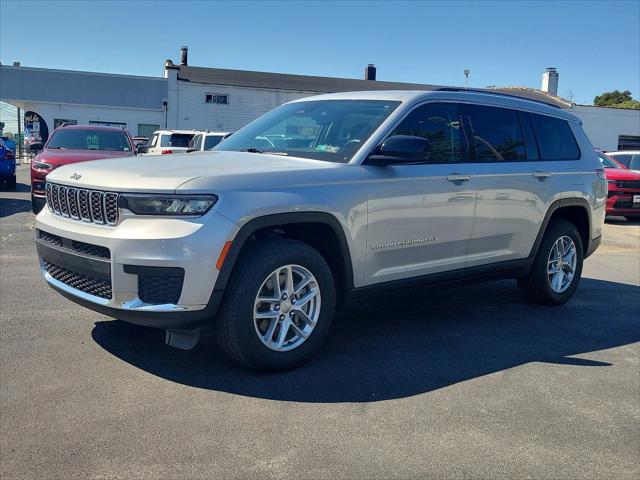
x,y
497,134
153,141
441,124
79,139
328,130
555,138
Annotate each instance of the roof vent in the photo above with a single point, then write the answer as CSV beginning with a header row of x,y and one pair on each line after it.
x,y
370,72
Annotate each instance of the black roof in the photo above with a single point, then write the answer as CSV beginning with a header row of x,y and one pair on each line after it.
x,y
314,84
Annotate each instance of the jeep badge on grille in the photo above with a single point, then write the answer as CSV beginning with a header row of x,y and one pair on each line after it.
x,y
75,176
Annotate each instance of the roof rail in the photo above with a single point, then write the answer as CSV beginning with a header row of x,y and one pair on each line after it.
x,y
493,92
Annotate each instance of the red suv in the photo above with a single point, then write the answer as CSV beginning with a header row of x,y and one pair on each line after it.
x,y
75,143
623,198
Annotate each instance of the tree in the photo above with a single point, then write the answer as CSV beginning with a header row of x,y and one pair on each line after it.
x,y
616,99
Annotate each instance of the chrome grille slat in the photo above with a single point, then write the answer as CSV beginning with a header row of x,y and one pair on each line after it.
x,y
93,206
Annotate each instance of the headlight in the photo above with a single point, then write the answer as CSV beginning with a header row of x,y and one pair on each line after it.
x,y
168,204
42,165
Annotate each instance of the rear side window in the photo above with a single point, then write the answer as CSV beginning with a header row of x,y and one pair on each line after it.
x,y
555,138
211,141
441,124
497,134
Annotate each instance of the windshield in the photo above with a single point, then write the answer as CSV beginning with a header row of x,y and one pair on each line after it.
x,y
329,130
629,160
77,139
606,161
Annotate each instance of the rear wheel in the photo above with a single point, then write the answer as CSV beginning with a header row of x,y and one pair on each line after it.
x,y
278,306
557,268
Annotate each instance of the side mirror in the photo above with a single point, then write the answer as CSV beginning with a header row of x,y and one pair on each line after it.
x,y
141,148
191,149
400,149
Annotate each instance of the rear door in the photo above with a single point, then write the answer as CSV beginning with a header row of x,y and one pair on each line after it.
x,y
515,183
420,216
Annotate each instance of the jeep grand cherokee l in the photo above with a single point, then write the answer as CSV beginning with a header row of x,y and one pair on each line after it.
x,y
319,201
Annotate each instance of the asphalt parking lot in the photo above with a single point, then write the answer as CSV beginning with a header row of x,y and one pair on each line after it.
x,y
465,382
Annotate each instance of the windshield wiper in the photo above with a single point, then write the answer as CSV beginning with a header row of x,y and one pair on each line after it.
x,y
268,152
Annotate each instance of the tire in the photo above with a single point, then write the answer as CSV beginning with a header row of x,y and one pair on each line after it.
x,y
632,218
11,183
242,337
537,287
37,204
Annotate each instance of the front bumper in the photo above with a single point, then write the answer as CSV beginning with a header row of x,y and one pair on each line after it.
x,y
106,272
620,202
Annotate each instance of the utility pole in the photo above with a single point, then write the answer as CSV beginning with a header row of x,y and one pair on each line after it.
x,y
20,141
466,78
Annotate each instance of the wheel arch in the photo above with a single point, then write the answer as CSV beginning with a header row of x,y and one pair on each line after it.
x,y
325,233
574,210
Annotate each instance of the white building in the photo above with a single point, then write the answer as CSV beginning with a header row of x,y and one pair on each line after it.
x,y
189,97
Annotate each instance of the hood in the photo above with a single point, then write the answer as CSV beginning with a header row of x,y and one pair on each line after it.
x,y
58,157
621,174
167,173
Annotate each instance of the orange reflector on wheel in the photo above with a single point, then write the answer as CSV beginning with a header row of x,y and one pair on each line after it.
x,y
223,255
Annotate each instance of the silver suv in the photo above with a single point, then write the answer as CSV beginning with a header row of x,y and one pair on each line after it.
x,y
323,200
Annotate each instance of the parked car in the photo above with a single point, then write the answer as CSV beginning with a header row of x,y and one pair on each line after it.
x,y
378,192
164,142
71,144
7,166
623,198
204,141
628,158
10,144
140,141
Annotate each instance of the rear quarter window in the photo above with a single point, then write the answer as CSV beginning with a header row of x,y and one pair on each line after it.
x,y
555,138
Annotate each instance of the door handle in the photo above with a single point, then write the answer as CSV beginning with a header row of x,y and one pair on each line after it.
x,y
541,175
457,177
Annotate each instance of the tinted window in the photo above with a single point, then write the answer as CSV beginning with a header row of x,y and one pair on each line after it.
x,y
440,123
211,141
176,140
497,134
77,139
555,138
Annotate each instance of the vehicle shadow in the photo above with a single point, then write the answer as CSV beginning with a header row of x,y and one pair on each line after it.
x,y
405,345
11,206
622,220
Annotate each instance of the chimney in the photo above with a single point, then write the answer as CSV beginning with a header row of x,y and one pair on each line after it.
x,y
550,81
184,52
370,72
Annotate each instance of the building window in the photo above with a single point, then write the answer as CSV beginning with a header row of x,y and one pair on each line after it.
x,y
147,129
59,121
108,124
213,98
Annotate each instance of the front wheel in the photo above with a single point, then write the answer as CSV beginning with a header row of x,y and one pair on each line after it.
x,y
278,306
557,268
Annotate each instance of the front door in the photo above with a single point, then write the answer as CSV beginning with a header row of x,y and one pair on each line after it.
x,y
420,217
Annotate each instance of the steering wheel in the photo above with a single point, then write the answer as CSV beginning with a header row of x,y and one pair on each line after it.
x,y
351,143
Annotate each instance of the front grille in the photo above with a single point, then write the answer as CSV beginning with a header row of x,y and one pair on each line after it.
x,y
627,184
159,289
84,283
82,204
626,204
89,249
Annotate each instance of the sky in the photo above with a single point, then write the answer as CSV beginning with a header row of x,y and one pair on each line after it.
x,y
595,45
